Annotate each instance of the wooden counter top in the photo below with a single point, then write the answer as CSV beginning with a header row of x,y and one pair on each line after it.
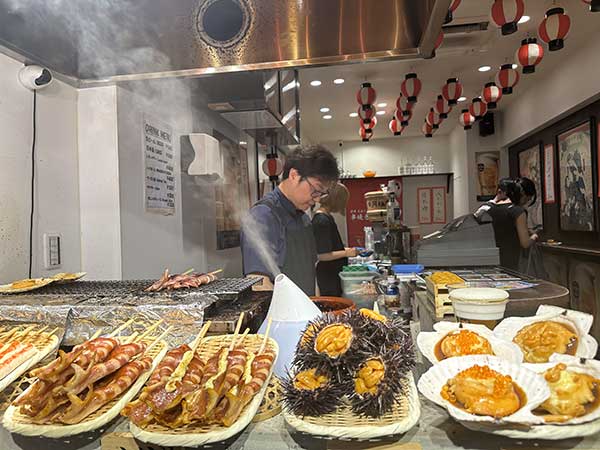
x,y
594,252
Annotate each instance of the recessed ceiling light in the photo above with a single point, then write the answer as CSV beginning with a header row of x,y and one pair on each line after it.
x,y
327,116
514,66
324,109
354,114
484,68
462,99
380,113
338,81
243,143
315,83
381,105
524,19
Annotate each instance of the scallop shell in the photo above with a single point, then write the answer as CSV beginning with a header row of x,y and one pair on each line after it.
x,y
534,386
581,322
427,341
574,364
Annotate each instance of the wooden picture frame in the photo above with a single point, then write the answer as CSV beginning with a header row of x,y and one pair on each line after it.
x,y
530,166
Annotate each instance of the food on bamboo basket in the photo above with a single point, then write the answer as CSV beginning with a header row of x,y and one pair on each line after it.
x,y
28,284
334,340
182,281
540,340
311,393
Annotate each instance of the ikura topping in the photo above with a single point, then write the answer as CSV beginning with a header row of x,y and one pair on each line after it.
x,y
370,314
309,380
334,340
369,376
465,342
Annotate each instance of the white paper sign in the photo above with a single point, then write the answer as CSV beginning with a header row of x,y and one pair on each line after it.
x,y
159,167
549,196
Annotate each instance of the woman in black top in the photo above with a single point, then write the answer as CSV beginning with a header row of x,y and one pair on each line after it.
x,y
333,256
509,219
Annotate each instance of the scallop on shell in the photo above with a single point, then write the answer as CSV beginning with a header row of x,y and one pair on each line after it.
x,y
574,364
533,386
428,341
578,321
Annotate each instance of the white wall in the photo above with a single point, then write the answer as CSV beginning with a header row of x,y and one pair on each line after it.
x,y
460,168
57,198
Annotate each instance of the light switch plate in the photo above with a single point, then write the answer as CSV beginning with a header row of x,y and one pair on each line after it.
x,y
52,250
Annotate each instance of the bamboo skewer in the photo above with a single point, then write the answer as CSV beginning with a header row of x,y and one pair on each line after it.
x,y
150,329
216,272
121,327
187,272
201,335
179,372
95,335
159,338
238,325
241,338
131,338
265,337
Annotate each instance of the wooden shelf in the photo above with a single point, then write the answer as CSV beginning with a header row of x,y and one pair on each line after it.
x,y
448,176
594,252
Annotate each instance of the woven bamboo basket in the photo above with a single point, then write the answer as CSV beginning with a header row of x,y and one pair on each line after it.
x,y
343,424
194,435
16,422
45,343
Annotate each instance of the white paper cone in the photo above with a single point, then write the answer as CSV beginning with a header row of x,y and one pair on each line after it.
x,y
290,303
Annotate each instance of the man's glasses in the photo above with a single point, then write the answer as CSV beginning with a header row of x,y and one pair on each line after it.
x,y
315,193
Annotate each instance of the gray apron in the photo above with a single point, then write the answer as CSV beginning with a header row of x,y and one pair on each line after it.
x,y
301,258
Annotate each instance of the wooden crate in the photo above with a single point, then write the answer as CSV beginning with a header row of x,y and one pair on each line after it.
x,y
438,294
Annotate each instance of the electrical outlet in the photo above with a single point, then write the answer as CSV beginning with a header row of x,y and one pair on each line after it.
x,y
52,250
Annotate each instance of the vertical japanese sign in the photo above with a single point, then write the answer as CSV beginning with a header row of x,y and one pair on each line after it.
x,y
159,167
424,205
438,194
549,195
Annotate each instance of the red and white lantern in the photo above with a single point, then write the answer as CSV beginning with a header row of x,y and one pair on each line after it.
x,y
594,5
555,28
506,14
491,95
477,108
452,91
411,87
453,6
404,120
466,119
529,54
403,105
433,119
442,107
438,43
507,78
365,134
366,113
272,166
366,95
372,123
427,130
395,127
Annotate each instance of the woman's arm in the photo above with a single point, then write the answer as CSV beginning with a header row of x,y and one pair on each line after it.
x,y
523,232
338,254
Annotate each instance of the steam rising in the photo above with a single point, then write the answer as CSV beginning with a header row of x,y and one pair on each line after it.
x,y
255,235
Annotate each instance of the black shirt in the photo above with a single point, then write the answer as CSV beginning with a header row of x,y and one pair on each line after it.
x,y
504,221
328,239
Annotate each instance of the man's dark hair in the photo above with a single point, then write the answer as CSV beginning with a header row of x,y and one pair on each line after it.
x,y
312,161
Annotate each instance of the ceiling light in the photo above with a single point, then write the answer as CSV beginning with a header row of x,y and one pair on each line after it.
x,y
315,83
243,143
380,113
338,81
524,19
514,66
381,105
324,109
462,99
327,116
484,68
354,114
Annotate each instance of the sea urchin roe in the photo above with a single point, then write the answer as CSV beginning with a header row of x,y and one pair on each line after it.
x,y
464,342
334,340
308,380
370,314
369,376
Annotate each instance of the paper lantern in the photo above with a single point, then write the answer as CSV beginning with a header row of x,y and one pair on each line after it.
x,y
466,119
272,166
438,43
403,118
450,14
427,130
366,112
365,134
529,54
491,95
477,108
403,105
554,28
452,91
372,123
366,95
506,14
442,107
594,5
395,127
433,119
507,78
411,87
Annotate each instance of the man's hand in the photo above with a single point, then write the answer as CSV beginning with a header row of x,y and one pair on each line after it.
x,y
351,252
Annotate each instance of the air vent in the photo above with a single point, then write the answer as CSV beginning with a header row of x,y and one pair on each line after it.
x,y
222,23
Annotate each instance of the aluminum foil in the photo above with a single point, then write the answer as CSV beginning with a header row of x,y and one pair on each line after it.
x,y
54,316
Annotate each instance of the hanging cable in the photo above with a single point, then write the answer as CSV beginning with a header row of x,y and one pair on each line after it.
x,y
32,184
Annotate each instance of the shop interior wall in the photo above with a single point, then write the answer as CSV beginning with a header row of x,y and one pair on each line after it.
x,y
56,191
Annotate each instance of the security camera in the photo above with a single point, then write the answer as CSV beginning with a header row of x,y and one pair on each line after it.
x,y
35,77
340,143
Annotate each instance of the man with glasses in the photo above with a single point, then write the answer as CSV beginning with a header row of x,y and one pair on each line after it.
x,y
277,235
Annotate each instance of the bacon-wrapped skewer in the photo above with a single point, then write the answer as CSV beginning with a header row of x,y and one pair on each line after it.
x,y
13,359
184,280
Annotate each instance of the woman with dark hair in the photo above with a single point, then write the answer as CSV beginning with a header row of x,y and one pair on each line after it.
x,y
509,219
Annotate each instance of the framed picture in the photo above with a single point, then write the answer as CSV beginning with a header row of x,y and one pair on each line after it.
x,y
438,195
576,181
549,192
530,167
424,205
488,169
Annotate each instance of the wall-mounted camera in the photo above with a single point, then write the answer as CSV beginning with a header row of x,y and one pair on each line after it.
x,y
340,143
35,77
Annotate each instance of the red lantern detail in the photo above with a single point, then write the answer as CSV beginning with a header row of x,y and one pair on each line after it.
x,y
442,107
366,113
466,119
491,95
507,78
427,130
594,5
433,119
372,123
530,54
554,28
403,105
366,95
506,14
452,91
272,166
478,109
411,87
438,42
365,134
395,127
453,7
403,119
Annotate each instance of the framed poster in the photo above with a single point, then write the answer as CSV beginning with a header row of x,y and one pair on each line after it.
x,y
549,193
488,169
438,196
424,205
576,186
531,167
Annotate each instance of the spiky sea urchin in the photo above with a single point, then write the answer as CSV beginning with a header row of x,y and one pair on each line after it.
x,y
310,393
376,330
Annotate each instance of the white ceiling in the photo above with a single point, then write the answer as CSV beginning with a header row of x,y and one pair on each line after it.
x,y
459,56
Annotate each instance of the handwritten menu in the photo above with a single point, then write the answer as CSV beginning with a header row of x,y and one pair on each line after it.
x,y
439,204
424,205
549,196
159,167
